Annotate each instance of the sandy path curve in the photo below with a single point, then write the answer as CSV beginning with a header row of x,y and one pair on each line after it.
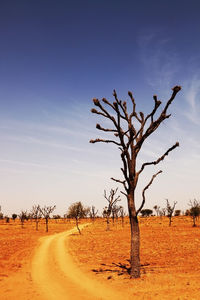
x,y
57,277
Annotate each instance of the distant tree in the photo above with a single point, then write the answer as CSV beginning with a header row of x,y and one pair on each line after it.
x,y
187,212
112,200
146,212
162,212
14,216
77,211
1,214
115,212
157,209
56,217
7,219
122,214
93,213
36,214
177,213
170,210
194,211
46,212
23,216
129,132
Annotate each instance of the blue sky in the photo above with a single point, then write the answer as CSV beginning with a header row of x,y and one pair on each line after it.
x,y
55,56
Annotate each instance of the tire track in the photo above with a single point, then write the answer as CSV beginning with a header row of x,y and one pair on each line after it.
x,y
57,277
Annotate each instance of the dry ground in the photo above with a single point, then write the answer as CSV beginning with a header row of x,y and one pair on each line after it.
x,y
170,258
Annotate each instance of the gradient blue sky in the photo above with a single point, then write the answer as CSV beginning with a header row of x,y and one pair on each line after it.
x,y
55,56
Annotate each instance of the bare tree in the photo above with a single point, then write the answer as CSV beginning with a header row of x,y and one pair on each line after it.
x,y
93,213
194,211
36,214
130,132
23,216
122,214
170,210
115,212
46,212
111,202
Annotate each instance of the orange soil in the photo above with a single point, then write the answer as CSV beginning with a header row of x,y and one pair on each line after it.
x,y
17,246
171,258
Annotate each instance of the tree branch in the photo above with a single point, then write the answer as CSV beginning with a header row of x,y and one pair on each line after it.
x,y
144,190
155,124
120,181
104,141
159,159
98,126
105,113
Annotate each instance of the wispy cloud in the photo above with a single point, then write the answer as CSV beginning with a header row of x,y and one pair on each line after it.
x,y
22,163
192,97
159,60
49,143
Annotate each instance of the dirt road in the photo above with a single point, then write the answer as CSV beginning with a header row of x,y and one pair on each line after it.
x,y
57,277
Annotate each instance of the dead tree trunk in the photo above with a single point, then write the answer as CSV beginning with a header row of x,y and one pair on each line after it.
x,y
77,225
129,138
135,239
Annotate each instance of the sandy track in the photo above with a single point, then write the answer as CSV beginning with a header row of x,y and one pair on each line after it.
x,y
57,277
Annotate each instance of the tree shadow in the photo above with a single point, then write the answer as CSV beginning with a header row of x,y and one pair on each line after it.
x,y
118,268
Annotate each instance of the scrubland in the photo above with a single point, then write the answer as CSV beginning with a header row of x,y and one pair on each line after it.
x,y
170,257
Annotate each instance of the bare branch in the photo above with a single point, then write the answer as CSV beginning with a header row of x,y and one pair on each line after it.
x,y
120,181
133,114
104,141
144,190
117,180
154,124
105,112
159,159
175,90
124,193
98,126
122,106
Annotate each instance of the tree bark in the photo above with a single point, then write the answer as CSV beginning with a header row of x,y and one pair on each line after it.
x,y
135,240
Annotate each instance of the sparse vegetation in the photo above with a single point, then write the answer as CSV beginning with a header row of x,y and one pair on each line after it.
x,y
36,214
14,217
146,212
23,216
112,200
194,211
77,211
170,210
46,212
93,213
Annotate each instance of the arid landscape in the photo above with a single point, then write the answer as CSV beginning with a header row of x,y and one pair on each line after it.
x,y
94,265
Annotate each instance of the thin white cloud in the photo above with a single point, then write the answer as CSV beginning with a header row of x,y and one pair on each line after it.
x,y
160,61
192,97
22,163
